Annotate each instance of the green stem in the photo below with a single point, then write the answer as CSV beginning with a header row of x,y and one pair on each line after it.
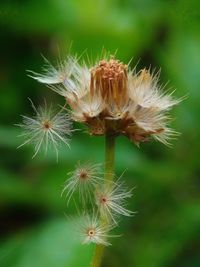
x,y
109,157
109,173
98,256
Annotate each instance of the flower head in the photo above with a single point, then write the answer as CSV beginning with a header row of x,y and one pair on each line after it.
x,y
112,99
111,201
91,230
46,128
83,179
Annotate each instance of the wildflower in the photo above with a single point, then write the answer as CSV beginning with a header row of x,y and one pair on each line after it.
x,y
83,179
46,128
110,200
112,99
91,230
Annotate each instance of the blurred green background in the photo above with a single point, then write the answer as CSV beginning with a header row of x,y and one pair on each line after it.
x,y
166,229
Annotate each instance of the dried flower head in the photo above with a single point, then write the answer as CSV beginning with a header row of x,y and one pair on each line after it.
x,y
91,230
46,128
111,201
83,179
112,99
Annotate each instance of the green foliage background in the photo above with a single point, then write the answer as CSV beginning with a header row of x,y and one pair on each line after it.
x,y
166,229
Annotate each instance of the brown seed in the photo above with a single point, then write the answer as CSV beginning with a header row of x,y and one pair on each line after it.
x,y
46,125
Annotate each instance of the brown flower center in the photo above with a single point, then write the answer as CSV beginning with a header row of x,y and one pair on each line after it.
x,y
109,79
103,200
46,125
91,232
83,174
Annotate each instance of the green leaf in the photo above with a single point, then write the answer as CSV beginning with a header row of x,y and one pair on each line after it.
x,y
52,244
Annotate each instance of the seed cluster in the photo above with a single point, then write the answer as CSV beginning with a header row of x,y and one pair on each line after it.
x,y
99,203
112,99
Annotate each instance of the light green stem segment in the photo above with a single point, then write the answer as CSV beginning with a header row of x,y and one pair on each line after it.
x,y
109,173
98,256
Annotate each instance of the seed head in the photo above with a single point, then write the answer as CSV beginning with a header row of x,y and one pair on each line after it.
x,y
46,128
111,201
112,99
52,75
93,231
83,179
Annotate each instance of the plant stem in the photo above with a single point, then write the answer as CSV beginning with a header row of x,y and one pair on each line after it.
x,y
109,173
109,157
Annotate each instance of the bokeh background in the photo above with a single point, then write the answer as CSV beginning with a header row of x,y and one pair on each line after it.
x,y
34,230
